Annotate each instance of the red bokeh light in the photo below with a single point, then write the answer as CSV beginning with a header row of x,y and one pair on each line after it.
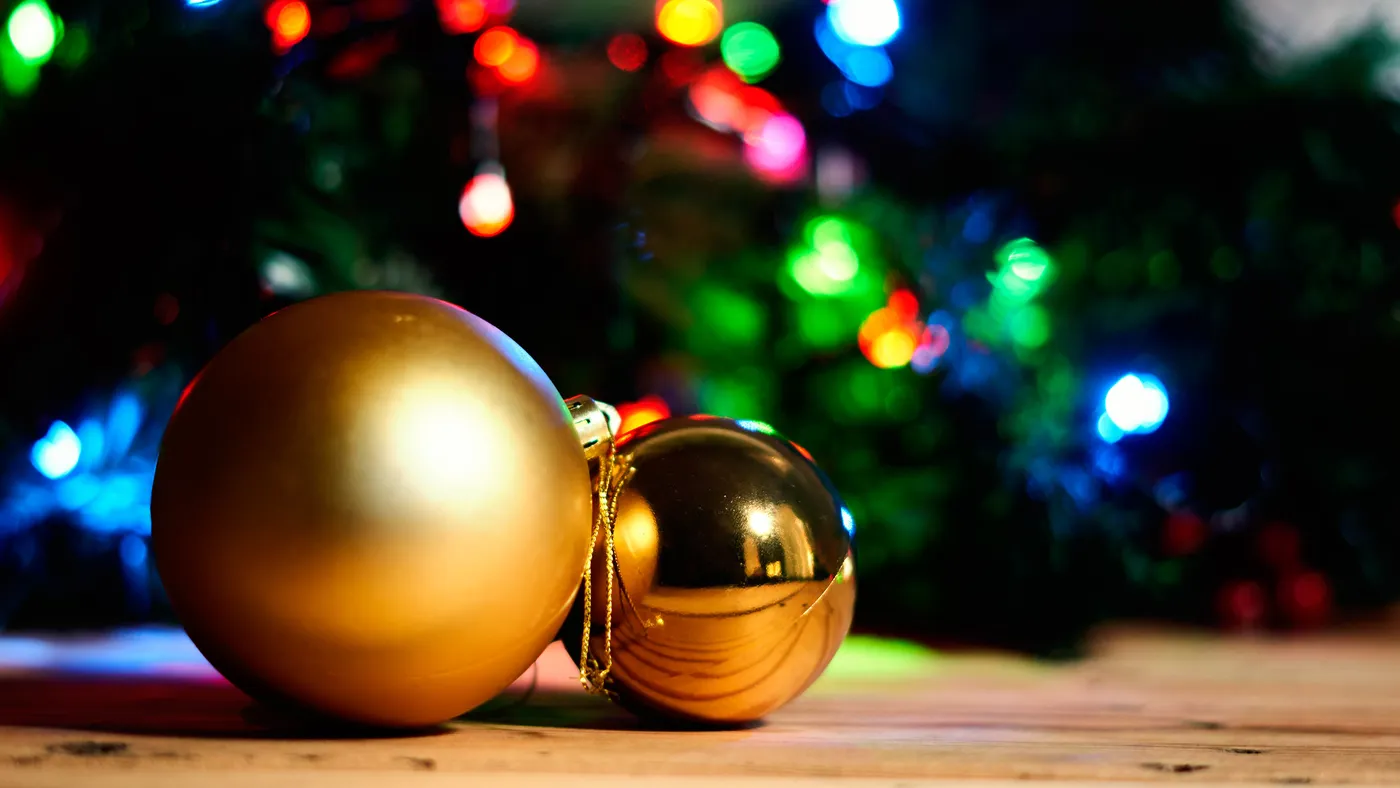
x,y
1183,534
904,304
1306,599
290,21
496,46
644,411
627,51
361,58
522,65
1243,604
461,16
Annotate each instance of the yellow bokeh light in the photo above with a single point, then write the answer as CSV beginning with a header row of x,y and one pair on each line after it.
x,y
892,349
689,22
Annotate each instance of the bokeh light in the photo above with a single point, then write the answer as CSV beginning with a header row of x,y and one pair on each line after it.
x,y
866,66
1025,259
627,51
33,30
290,21
891,349
838,172
1029,326
522,65
1137,403
56,454
716,104
867,23
644,411
904,304
932,346
778,147
826,266
461,16
486,207
285,275
689,22
496,46
749,50
891,335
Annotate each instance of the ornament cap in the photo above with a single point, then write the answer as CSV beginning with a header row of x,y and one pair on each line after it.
x,y
596,423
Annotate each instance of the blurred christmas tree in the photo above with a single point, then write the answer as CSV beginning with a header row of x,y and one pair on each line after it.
x,y
1084,305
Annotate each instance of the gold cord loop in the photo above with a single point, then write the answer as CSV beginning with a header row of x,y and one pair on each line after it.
x,y
595,423
593,675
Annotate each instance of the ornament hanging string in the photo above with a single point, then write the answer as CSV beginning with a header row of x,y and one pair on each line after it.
x,y
592,674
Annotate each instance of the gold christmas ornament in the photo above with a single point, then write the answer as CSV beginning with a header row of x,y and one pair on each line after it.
x,y
374,506
722,578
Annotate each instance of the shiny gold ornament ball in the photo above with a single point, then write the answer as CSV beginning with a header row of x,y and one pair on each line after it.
x,y
373,506
735,578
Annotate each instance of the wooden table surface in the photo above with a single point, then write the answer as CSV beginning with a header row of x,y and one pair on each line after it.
x,y
140,709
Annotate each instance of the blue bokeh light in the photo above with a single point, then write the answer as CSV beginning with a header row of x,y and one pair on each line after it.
x,y
978,227
133,551
868,23
97,476
1107,430
1137,404
866,66
56,454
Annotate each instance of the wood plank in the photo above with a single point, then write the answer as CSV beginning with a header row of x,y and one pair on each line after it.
x,y
1148,707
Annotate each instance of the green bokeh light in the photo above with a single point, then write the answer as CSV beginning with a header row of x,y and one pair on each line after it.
x,y
1029,326
824,324
812,271
743,394
749,50
727,318
1013,287
33,31
1025,260
20,77
828,265
863,657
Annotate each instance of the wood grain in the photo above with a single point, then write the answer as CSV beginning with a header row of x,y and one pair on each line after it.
x,y
1147,707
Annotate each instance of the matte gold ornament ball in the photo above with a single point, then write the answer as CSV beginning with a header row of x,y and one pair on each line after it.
x,y
374,506
735,579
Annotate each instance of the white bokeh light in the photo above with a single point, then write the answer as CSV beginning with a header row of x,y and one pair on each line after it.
x,y
869,23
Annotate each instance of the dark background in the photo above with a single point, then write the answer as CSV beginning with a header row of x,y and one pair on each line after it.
x,y
1217,205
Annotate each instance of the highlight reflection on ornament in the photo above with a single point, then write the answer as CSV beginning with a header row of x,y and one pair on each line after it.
x,y
734,570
